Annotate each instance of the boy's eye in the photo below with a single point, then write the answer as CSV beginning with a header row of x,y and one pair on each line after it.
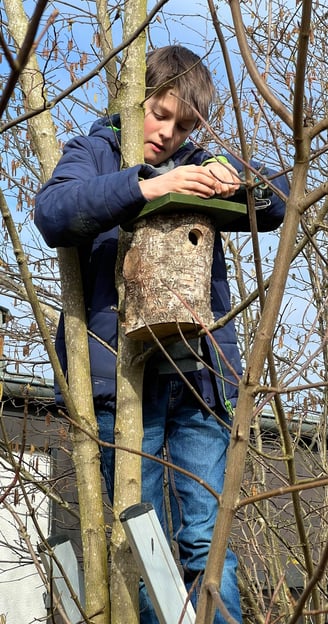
x,y
161,117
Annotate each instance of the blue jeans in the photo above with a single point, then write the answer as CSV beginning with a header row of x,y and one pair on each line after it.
x,y
195,441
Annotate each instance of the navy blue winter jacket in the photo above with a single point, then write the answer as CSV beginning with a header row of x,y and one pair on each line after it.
x,y
82,205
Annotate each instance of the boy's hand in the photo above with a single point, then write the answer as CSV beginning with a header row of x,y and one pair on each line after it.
x,y
226,176
213,179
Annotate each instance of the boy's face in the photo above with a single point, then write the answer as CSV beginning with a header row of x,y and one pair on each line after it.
x,y
164,128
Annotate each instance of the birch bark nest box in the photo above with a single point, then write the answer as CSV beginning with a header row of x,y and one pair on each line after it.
x,y
167,269
167,274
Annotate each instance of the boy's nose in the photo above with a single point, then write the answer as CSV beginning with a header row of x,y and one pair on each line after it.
x,y
167,130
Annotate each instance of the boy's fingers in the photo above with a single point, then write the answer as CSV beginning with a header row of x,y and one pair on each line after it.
x,y
226,178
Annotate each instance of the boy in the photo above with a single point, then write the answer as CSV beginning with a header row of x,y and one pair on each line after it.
x,y
82,205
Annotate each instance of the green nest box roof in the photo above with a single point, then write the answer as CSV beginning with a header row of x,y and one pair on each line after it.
x,y
222,211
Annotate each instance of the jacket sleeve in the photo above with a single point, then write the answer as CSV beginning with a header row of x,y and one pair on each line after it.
x,y
87,194
270,214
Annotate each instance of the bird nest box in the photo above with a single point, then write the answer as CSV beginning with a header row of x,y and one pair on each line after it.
x,y
167,269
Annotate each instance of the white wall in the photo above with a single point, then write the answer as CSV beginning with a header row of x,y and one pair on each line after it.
x,y
21,589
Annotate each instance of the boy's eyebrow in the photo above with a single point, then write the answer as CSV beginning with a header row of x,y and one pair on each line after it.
x,y
162,107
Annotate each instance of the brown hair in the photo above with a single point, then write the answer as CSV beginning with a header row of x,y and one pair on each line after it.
x,y
176,67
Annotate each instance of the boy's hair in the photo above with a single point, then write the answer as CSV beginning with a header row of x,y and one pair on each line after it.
x,y
176,67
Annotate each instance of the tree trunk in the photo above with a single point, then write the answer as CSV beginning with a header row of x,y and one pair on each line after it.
x,y
244,410
86,452
128,427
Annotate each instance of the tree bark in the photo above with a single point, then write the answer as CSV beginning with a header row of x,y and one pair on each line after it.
x,y
128,427
86,452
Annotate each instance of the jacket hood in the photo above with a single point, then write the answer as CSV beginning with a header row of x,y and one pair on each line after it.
x,y
108,128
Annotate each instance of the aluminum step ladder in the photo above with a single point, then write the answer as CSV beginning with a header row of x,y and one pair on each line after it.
x,y
157,566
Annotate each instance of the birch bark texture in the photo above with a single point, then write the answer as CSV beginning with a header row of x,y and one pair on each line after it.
x,y
167,275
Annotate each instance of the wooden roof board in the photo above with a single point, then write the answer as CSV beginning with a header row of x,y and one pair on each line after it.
x,y
222,210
